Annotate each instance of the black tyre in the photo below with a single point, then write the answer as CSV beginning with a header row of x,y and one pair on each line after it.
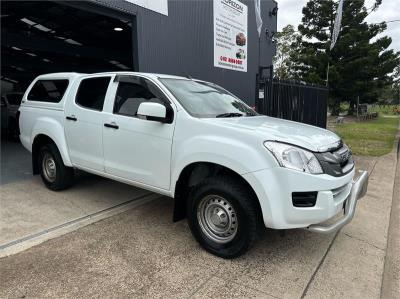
x,y
55,175
223,216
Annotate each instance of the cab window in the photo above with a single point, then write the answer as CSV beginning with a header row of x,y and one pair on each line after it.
x,y
132,91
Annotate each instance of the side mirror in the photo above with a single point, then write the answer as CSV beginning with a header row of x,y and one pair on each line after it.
x,y
153,111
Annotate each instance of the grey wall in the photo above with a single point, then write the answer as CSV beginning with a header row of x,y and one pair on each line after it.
x,y
182,44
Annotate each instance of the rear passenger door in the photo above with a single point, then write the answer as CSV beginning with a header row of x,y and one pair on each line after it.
x,y
84,122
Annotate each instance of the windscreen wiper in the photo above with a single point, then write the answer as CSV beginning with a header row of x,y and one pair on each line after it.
x,y
230,114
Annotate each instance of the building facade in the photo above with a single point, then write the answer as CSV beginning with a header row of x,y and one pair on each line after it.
x,y
217,41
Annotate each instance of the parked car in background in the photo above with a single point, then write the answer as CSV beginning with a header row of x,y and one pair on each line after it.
x,y
9,109
230,170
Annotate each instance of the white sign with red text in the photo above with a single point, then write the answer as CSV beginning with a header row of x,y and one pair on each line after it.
x,y
230,35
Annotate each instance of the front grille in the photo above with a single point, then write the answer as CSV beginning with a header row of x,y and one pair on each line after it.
x,y
343,154
336,162
304,199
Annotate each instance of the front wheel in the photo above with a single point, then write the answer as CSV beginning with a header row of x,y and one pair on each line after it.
x,y
55,175
223,216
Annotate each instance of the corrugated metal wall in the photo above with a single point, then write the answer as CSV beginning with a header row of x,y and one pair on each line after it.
x,y
182,44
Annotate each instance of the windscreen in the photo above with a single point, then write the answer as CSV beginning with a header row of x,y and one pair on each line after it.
x,y
204,99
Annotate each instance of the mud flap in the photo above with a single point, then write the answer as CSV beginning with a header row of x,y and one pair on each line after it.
x,y
179,209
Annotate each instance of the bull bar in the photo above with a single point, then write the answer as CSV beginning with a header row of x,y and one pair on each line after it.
x,y
358,190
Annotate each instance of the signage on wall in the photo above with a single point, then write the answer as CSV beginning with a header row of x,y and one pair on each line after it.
x,y
160,6
230,35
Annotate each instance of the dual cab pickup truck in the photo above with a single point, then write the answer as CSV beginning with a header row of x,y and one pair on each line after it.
x,y
230,170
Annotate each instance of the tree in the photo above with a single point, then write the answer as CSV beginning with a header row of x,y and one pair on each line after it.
x,y
390,94
287,46
396,84
360,63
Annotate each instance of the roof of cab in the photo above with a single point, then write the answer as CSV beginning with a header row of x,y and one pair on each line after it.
x,y
150,75
71,75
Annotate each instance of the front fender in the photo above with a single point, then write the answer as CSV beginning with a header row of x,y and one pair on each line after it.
x,y
236,155
55,130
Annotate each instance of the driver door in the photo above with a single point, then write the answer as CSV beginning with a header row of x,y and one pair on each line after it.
x,y
135,148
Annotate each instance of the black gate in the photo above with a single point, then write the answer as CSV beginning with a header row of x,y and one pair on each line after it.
x,y
291,100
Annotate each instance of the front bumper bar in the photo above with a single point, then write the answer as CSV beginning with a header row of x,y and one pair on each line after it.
x,y
358,190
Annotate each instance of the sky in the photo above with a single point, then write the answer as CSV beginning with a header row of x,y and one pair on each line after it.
x,y
290,13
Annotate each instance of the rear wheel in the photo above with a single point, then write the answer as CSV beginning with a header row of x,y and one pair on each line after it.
x,y
55,175
223,216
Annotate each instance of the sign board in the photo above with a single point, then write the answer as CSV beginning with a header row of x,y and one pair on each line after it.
x,y
230,35
160,6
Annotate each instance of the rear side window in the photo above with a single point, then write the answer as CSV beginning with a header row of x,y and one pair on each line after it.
x,y
92,92
48,90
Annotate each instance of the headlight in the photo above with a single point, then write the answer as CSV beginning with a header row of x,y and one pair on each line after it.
x,y
293,157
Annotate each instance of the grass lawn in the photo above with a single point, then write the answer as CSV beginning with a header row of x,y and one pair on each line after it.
x,y
370,138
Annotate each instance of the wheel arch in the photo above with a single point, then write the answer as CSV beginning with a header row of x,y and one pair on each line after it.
x,y
38,141
49,129
194,173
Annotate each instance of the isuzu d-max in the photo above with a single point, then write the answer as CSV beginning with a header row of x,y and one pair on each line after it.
x,y
230,170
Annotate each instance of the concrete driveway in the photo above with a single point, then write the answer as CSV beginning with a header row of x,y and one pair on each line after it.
x,y
29,209
15,162
141,253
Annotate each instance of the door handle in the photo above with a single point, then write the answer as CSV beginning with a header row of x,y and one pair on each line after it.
x,y
112,125
72,117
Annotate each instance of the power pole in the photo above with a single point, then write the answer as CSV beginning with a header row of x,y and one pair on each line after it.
x,y
358,103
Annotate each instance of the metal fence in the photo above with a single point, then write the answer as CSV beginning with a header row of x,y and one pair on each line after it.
x,y
292,100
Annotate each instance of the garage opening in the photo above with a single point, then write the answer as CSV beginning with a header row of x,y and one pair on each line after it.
x,y
46,37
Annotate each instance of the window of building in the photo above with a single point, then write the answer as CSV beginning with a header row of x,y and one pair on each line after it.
x,y
48,90
92,93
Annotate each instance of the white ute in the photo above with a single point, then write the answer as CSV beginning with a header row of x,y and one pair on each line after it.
x,y
230,170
